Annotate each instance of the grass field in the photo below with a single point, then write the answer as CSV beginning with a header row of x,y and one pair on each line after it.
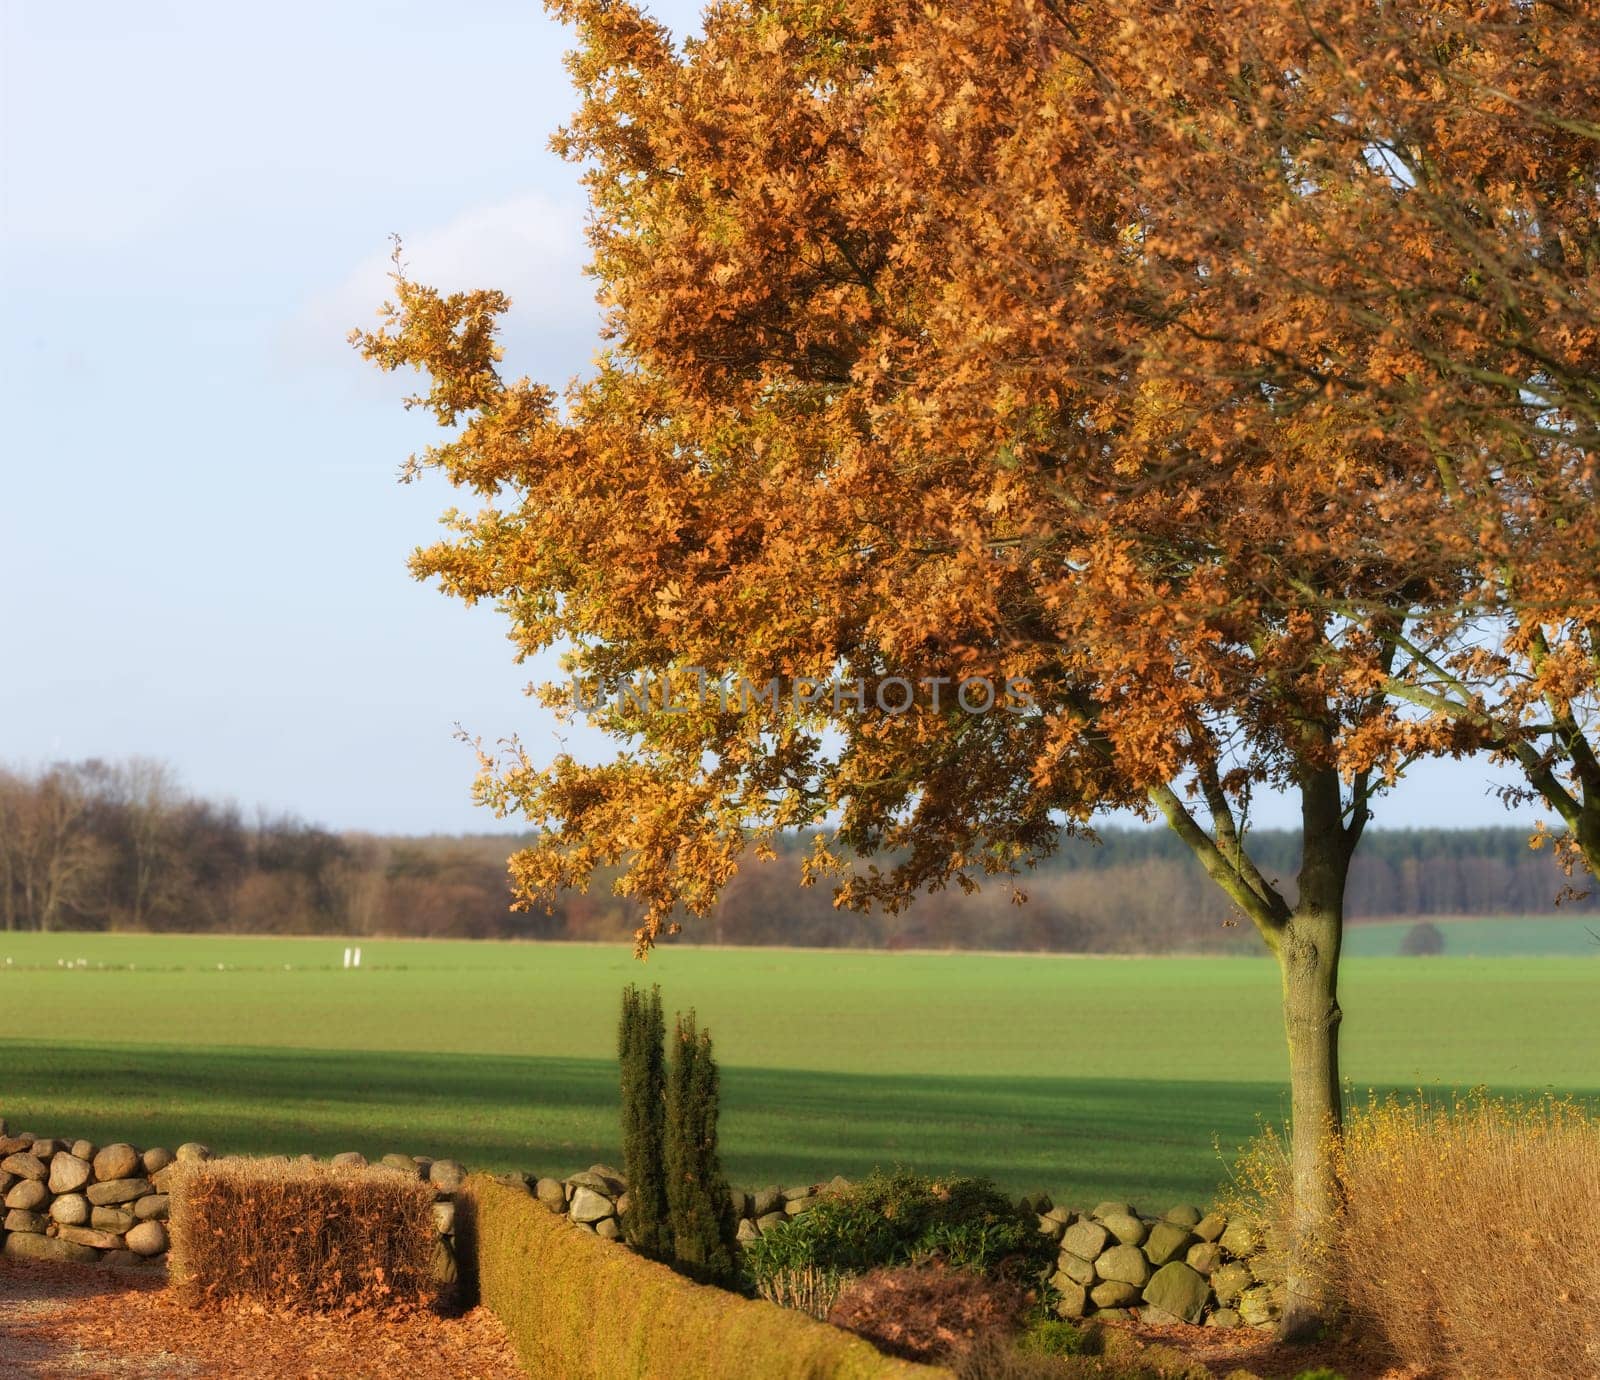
x,y
1088,1077
1486,936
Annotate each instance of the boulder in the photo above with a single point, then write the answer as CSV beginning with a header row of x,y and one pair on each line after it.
x,y
1222,1317
192,1151
1074,1300
1123,1265
1114,1293
401,1164
27,1194
68,1173
1086,1239
89,1236
1258,1306
348,1159
148,1238
71,1210
837,1184
1104,1210
605,1171
151,1208
46,1147
607,1229
123,1259
443,1267
1065,1216
1211,1226
83,1149
622,1204
1240,1240
20,1220
447,1175
589,1206
741,1202
1229,1281
6,1180
162,1178
1178,1290
596,1183
767,1200
24,1164
1203,1257
1167,1241
118,1191
111,1219
793,1207
771,1220
551,1193
1036,1203
748,1230
12,1145
444,1218
1076,1268
1185,1215
119,1161
28,1246
155,1160
1128,1229
1050,1228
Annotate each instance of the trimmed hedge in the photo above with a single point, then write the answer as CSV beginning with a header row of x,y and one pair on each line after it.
x,y
302,1236
585,1309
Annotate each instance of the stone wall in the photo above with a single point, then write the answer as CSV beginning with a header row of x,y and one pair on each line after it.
x,y
74,1201
71,1200
1184,1266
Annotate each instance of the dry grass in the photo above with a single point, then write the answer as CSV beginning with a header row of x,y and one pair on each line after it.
x,y
1464,1242
806,1288
302,1236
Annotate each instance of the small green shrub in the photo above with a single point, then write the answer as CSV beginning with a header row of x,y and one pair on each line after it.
x,y
1319,1373
1053,1337
902,1218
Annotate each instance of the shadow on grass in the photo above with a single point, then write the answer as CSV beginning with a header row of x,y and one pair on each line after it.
x,y
1150,1140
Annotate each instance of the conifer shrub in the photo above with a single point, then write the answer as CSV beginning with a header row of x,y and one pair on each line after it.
x,y
641,1058
699,1204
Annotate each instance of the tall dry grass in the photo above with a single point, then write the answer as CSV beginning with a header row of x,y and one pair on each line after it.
x,y
1466,1243
302,1236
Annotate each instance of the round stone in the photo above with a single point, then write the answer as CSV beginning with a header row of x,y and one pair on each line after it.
x,y
71,1210
28,1195
119,1161
148,1238
155,1160
1123,1265
68,1173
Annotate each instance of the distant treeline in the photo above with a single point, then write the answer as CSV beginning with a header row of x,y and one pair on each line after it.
x,y
97,845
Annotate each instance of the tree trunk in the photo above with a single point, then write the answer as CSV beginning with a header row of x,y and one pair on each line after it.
x,y
1308,959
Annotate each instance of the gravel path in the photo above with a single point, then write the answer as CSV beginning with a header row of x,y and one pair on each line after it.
x,y
58,1322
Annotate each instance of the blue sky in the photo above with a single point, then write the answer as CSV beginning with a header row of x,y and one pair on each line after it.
x,y
202,537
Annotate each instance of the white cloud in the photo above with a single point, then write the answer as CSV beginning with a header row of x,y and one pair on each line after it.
x,y
531,247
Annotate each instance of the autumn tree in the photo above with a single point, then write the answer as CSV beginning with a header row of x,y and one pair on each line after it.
x,y
1422,175
887,495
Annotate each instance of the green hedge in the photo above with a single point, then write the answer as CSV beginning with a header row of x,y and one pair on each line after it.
x,y
579,1306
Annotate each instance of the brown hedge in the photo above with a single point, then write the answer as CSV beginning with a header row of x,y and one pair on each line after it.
x,y
584,1308
302,1236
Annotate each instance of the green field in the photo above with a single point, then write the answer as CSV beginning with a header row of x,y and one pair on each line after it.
x,y
1486,936
1088,1077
